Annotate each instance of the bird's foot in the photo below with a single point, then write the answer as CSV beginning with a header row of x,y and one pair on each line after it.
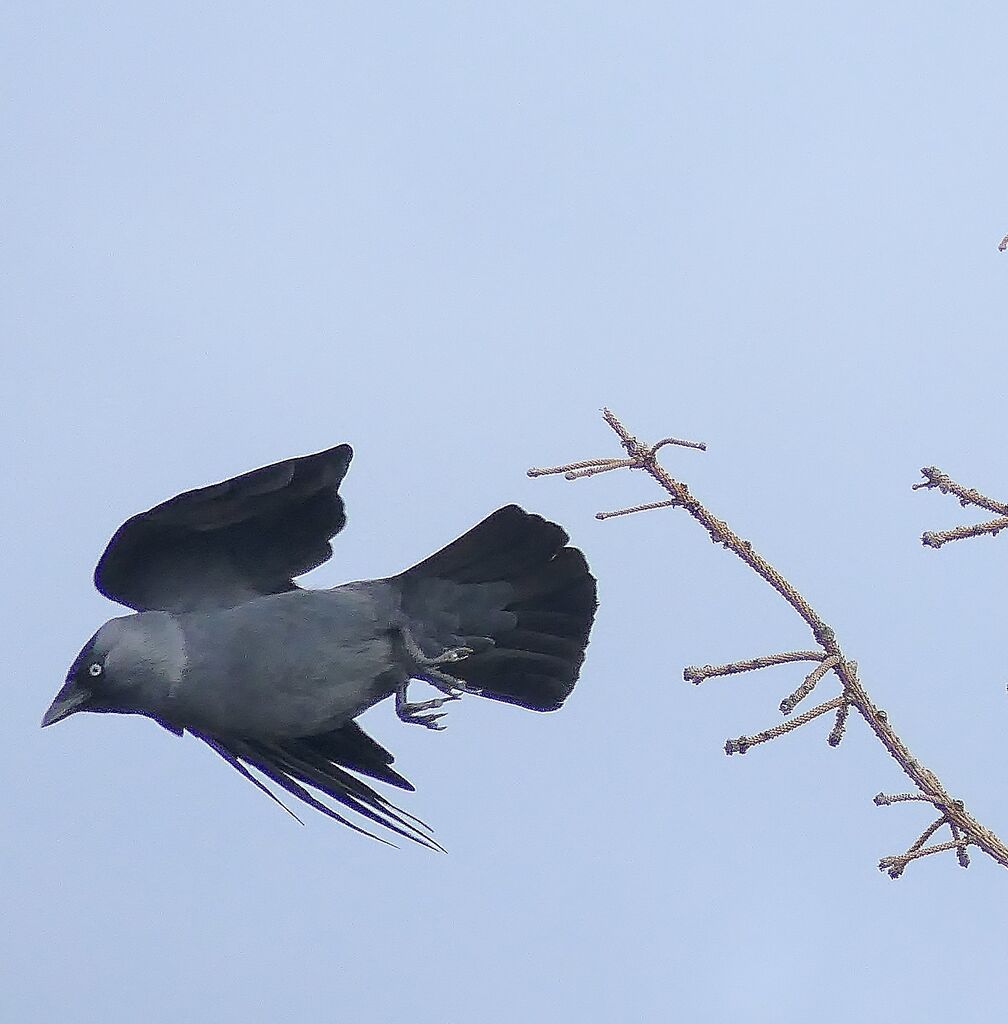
x,y
427,668
447,684
446,657
427,721
410,711
452,654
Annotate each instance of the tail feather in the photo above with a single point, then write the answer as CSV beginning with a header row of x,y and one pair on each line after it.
x,y
499,547
513,591
565,577
562,647
559,624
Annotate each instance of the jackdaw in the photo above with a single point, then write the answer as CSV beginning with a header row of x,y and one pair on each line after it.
x,y
225,646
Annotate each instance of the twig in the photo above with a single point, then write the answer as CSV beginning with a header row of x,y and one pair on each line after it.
x,y
694,674
836,733
670,503
935,539
966,830
962,854
935,478
792,700
743,743
885,799
575,469
894,865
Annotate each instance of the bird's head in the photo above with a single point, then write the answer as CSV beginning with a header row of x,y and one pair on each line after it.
x,y
128,666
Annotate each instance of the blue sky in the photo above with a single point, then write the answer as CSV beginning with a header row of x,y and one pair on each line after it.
x,y
448,234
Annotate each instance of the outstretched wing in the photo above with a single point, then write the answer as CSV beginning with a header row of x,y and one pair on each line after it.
x,y
221,545
320,762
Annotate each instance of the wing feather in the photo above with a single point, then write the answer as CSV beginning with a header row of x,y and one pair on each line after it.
x,y
218,546
293,764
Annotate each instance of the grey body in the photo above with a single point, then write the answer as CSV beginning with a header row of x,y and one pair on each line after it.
x,y
300,663
225,646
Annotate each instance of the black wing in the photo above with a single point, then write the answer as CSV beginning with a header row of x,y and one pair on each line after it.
x,y
224,544
320,762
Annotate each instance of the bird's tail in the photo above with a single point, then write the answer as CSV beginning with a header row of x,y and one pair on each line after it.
x,y
518,597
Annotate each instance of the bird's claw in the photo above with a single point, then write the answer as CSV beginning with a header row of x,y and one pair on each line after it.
x,y
446,657
410,711
428,721
452,654
427,669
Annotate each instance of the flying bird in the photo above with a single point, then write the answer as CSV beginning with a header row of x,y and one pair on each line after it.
x,y
224,645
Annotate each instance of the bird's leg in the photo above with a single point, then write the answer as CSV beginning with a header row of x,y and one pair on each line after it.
x,y
408,712
428,669
446,683
446,657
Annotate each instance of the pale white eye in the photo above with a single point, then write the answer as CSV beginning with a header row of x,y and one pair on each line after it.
x,y
95,670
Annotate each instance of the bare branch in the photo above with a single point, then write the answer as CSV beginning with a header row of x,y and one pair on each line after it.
x,y
743,743
700,445
789,703
895,865
932,539
695,674
637,508
966,830
576,474
837,732
935,478
573,468
962,854
885,799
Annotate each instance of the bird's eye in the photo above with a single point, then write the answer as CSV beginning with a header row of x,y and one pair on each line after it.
x,y
95,669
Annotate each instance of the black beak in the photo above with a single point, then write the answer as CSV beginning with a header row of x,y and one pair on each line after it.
x,y
71,698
